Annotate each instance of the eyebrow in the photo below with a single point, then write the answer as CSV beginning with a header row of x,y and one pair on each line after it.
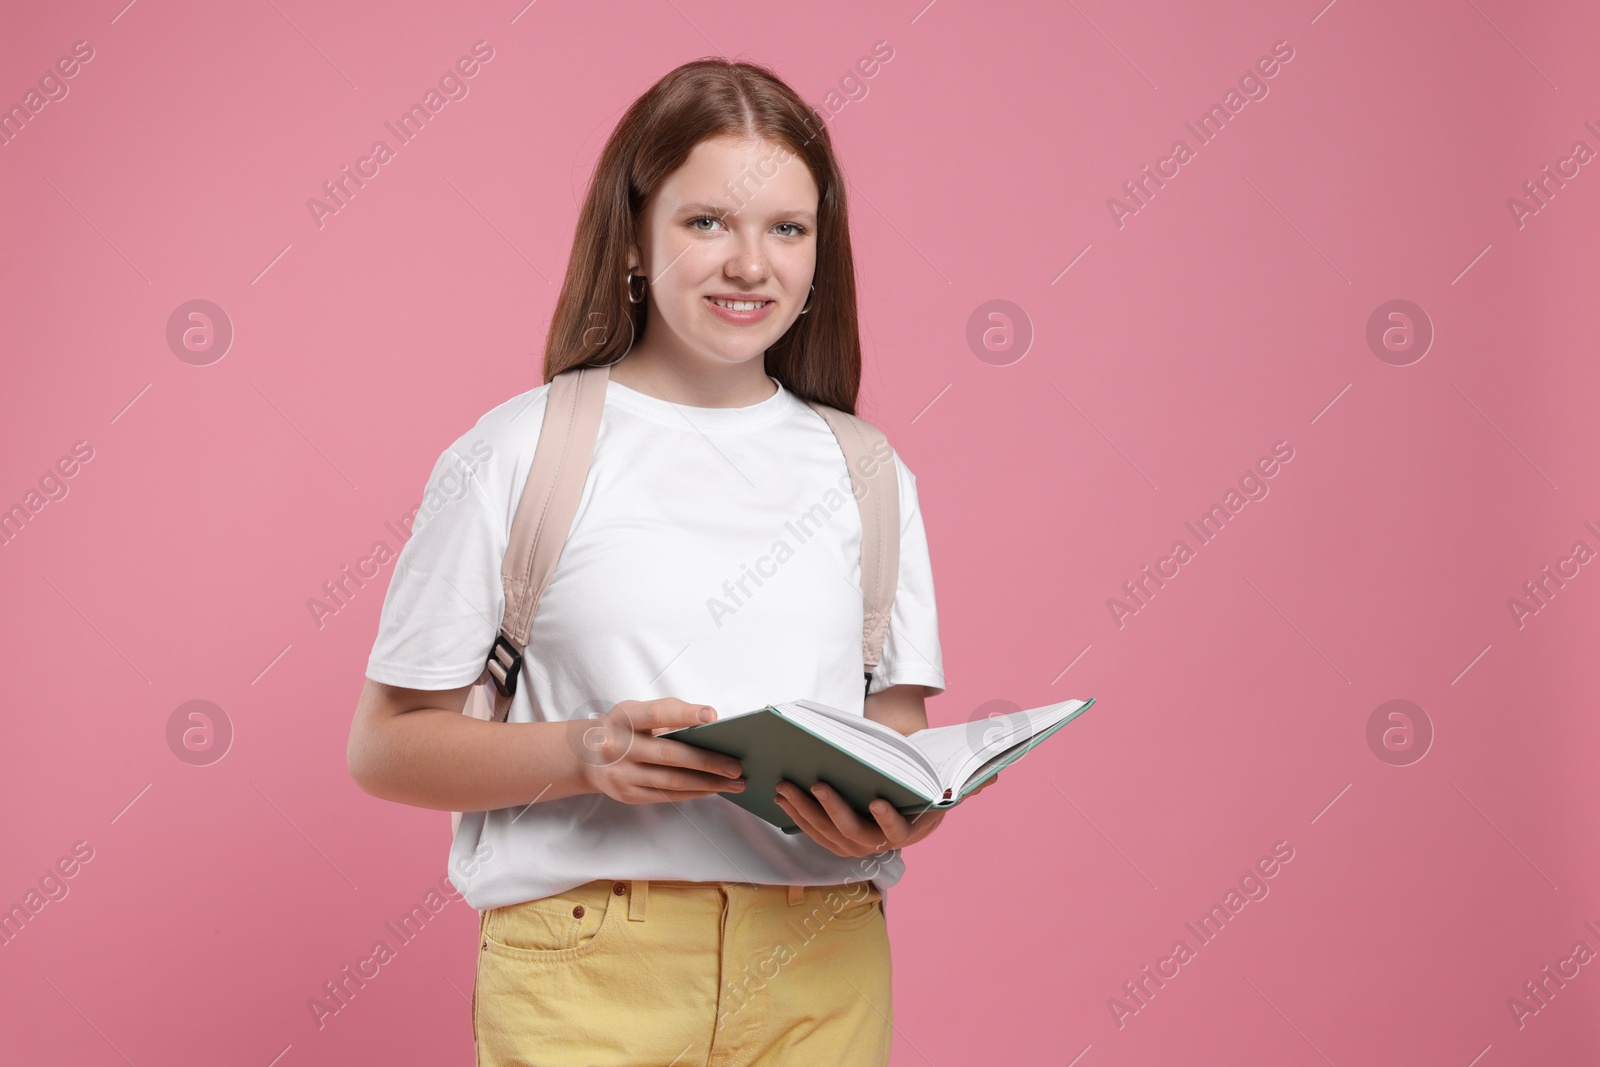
x,y
721,211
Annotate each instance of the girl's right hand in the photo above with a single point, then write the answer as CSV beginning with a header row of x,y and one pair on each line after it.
x,y
620,756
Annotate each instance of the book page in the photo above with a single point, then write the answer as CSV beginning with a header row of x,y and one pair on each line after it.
x,y
884,734
957,751
949,746
873,743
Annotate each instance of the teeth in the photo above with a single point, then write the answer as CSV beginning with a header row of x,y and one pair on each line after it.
x,y
739,305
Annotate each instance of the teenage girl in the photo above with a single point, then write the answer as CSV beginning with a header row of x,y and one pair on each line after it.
x,y
629,914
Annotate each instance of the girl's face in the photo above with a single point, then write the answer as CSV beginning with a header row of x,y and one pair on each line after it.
x,y
737,224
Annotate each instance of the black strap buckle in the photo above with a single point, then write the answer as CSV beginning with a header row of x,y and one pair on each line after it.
x,y
505,665
865,691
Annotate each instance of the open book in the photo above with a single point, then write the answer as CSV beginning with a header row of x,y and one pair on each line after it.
x,y
807,742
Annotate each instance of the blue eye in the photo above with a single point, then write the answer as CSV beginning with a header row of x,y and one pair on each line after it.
x,y
800,230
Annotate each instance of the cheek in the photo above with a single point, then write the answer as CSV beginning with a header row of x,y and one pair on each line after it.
x,y
797,261
677,288
685,270
795,274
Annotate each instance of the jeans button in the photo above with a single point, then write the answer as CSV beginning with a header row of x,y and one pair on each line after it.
x,y
577,911
619,888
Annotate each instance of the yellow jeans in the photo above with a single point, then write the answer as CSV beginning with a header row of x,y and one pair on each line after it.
x,y
672,974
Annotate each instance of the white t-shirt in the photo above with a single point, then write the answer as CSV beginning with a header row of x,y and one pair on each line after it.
x,y
715,557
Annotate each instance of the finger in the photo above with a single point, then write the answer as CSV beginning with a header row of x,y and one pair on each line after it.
x,y
649,794
821,818
852,826
669,753
810,826
677,778
801,801
896,829
807,813
667,713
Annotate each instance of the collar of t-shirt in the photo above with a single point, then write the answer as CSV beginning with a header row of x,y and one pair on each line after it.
x,y
690,418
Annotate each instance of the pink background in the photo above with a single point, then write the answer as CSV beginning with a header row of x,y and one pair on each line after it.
x,y
1229,313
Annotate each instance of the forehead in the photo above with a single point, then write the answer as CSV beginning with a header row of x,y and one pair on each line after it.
x,y
741,174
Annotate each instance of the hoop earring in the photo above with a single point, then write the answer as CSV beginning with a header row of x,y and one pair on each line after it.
x,y
640,298
808,300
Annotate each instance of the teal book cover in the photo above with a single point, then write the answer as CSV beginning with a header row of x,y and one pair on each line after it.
x,y
805,743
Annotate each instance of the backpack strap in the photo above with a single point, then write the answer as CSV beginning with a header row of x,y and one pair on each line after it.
x,y
877,492
544,517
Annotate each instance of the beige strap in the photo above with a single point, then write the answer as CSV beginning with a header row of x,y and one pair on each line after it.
x,y
638,898
797,895
539,532
545,511
877,492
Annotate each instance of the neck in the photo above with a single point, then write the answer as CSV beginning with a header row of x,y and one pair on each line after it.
x,y
695,382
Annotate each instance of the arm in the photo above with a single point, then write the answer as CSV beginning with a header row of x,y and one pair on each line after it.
x,y
414,746
900,707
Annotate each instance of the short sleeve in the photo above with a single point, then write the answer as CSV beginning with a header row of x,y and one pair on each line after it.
x,y
911,652
444,602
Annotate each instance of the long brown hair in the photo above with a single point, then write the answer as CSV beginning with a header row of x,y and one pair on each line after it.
x,y
819,356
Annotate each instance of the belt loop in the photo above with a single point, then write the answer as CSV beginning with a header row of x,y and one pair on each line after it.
x,y
797,895
638,897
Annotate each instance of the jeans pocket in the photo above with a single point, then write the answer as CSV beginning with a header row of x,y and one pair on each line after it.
x,y
562,926
849,907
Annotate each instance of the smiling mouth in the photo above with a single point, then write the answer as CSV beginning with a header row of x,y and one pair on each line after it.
x,y
739,305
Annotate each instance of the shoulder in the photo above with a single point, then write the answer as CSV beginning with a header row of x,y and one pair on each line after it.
x,y
497,451
872,450
504,426
883,451
869,439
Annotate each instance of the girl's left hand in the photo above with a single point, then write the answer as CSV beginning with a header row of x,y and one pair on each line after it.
x,y
828,820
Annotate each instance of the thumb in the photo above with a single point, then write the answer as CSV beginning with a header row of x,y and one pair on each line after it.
x,y
674,714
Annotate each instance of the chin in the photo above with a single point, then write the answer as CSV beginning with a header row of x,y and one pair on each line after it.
x,y
738,357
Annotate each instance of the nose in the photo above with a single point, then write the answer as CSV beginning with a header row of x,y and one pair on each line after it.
x,y
748,261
